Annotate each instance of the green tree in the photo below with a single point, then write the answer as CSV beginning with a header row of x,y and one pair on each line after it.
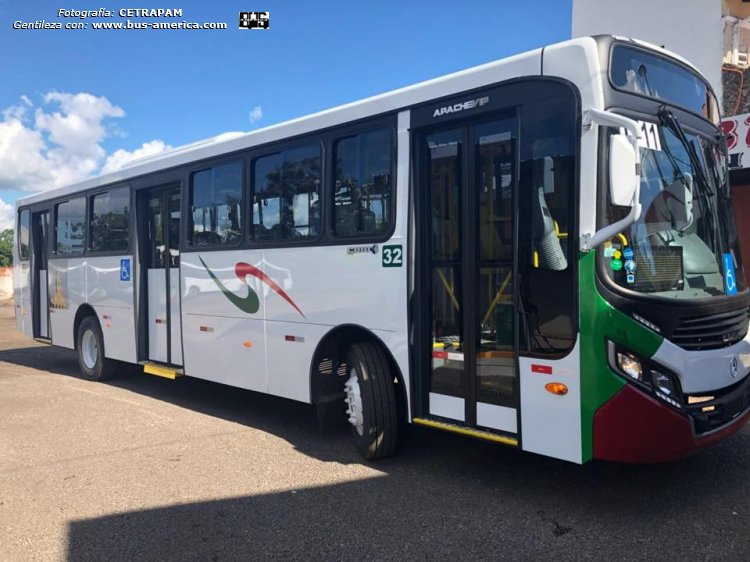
x,y
6,247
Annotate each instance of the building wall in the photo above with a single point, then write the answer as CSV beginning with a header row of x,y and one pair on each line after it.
x,y
736,8
736,57
692,28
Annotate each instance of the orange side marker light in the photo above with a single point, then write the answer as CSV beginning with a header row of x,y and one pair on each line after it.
x,y
247,343
556,388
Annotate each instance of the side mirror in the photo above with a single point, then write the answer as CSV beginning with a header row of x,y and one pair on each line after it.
x,y
621,171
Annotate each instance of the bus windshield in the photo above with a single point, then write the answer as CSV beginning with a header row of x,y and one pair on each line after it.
x,y
648,74
685,243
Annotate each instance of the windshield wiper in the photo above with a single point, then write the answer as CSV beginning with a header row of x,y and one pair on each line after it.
x,y
704,190
670,121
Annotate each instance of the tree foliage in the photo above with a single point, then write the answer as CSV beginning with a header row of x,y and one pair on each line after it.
x,y
6,247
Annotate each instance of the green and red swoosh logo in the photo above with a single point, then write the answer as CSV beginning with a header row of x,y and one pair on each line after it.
x,y
250,303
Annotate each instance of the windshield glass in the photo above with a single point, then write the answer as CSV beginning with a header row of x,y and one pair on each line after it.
x,y
648,74
685,243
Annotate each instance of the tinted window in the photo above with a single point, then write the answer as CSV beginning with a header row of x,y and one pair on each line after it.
x,y
445,193
363,188
23,234
286,197
494,159
70,219
651,75
215,201
109,221
546,223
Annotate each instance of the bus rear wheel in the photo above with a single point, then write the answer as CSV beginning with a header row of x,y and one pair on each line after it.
x,y
90,346
371,401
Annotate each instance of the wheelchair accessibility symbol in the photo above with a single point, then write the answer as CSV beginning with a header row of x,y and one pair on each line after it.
x,y
125,270
730,281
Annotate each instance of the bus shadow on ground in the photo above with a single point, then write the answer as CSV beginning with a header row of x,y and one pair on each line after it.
x,y
44,358
449,501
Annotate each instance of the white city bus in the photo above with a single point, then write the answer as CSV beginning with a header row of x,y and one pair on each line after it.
x,y
539,251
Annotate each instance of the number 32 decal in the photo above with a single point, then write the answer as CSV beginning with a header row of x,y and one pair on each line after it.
x,y
393,256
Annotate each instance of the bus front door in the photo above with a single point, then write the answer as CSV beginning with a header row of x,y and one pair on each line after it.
x,y
466,187
162,264
40,249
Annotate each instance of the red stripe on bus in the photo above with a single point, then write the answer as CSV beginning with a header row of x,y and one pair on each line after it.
x,y
440,354
542,369
243,269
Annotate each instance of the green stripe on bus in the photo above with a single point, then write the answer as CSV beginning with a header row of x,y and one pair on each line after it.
x,y
599,321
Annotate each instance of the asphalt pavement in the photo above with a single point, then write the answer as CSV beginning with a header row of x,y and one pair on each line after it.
x,y
143,468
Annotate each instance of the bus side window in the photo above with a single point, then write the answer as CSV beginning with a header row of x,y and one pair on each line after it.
x,y
286,194
70,218
362,191
23,234
109,222
215,205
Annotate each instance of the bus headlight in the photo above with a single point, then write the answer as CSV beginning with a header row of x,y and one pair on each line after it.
x,y
629,364
662,382
625,362
666,388
645,374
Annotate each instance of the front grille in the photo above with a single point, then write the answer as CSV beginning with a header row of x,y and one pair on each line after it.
x,y
711,332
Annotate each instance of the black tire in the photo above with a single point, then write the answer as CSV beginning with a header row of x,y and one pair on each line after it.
x,y
101,368
379,436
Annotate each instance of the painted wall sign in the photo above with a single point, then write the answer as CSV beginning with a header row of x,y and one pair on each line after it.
x,y
737,131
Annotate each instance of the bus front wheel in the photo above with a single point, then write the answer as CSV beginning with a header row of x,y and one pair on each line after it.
x,y
371,401
90,347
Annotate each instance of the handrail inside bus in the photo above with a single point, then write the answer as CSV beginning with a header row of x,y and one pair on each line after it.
x,y
449,289
496,300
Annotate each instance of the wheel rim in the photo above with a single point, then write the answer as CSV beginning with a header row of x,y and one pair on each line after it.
x,y
354,402
89,349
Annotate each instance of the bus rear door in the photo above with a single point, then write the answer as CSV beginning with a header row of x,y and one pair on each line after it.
x,y
161,260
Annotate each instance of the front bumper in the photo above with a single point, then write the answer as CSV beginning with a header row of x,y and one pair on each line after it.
x,y
635,427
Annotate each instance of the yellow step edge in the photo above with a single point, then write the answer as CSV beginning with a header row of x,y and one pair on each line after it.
x,y
466,431
160,371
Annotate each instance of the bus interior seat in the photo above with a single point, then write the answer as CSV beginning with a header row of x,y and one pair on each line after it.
x,y
206,238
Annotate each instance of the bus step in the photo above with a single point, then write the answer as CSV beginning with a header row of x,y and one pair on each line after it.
x,y
478,433
160,370
40,339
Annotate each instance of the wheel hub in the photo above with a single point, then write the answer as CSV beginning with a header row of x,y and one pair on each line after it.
x,y
89,349
354,402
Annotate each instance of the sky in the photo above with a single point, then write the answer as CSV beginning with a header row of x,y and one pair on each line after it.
x,y
76,103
